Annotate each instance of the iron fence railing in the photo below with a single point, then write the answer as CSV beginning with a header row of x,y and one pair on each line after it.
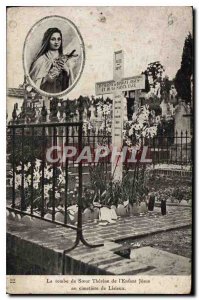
x,y
27,146
28,162
173,149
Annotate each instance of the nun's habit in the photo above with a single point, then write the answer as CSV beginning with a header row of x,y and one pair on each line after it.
x,y
43,64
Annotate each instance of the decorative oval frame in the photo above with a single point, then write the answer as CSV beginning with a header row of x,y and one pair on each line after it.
x,y
82,46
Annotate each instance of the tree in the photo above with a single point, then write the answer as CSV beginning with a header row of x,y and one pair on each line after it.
x,y
154,77
183,76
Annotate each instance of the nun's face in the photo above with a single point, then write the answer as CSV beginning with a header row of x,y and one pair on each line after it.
x,y
55,41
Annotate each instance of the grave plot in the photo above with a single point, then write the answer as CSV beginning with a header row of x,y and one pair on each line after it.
x,y
83,171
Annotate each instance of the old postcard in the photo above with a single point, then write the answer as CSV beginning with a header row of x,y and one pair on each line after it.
x,y
99,150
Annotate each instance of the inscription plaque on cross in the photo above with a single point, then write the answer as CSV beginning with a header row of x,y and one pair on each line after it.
x,y
116,87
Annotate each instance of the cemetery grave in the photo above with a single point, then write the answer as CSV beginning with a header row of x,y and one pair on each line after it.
x,y
121,204
95,202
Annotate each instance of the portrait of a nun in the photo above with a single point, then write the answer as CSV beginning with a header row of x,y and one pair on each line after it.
x,y
48,70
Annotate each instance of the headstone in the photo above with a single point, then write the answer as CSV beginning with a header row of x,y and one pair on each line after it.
x,y
182,123
173,94
171,109
164,107
85,114
92,110
99,112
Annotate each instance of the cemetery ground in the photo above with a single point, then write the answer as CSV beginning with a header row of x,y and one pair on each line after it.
x,y
175,241
142,244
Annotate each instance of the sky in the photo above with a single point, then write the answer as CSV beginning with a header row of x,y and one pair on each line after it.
x,y
145,34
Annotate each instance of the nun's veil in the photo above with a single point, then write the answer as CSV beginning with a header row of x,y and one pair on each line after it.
x,y
45,44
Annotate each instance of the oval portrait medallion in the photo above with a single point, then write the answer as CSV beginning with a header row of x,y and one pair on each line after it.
x,y
53,56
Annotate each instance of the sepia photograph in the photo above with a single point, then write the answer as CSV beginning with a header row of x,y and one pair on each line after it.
x,y
53,56
99,150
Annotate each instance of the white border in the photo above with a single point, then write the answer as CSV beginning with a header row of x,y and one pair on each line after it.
x,y
3,4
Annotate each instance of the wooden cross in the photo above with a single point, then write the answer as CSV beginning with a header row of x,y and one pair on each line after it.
x,y
116,87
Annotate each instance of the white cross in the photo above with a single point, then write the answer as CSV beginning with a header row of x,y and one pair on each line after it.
x,y
116,87
92,110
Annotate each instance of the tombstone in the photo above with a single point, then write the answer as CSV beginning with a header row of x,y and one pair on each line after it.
x,y
92,110
99,112
85,114
181,149
173,95
182,123
164,107
171,109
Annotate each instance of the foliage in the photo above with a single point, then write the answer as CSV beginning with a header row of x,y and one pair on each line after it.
x,y
132,188
140,126
165,88
166,128
32,145
171,193
183,75
103,117
154,74
33,184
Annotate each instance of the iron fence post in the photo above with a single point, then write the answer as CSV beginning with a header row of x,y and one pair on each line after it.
x,y
23,205
13,167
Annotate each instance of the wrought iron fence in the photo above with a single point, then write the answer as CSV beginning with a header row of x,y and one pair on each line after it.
x,y
173,149
26,147
28,141
31,174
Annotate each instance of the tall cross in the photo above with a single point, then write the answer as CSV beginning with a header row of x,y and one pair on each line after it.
x,y
116,87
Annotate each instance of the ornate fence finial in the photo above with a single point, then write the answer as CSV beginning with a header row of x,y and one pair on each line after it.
x,y
44,113
14,113
67,109
53,110
32,115
81,107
